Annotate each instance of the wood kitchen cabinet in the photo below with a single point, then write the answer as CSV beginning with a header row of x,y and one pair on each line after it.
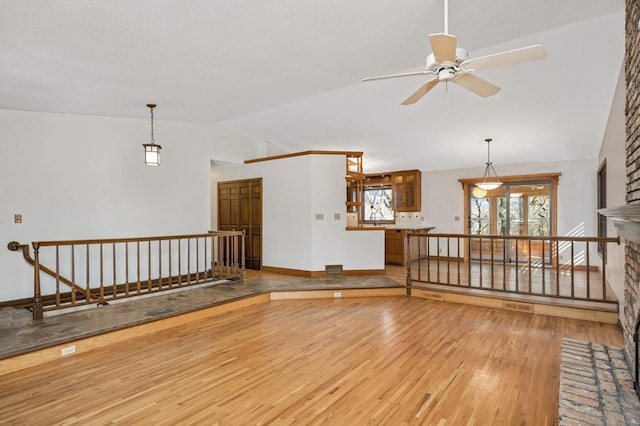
x,y
395,246
406,190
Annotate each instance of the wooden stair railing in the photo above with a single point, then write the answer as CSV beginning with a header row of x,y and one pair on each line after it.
x,y
128,267
15,246
559,267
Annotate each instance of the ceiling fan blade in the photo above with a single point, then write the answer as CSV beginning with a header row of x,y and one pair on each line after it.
x,y
443,47
477,85
406,74
418,94
510,57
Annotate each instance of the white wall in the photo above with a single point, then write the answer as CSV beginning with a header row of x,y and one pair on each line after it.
x,y
613,150
294,190
74,177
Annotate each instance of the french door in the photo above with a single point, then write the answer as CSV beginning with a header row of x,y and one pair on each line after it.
x,y
519,208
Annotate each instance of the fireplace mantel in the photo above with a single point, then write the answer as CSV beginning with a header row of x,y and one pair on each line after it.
x,y
626,219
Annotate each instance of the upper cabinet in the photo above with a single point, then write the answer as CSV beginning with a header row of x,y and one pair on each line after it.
x,y
406,190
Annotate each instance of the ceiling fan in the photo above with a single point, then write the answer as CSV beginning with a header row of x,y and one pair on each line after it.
x,y
450,63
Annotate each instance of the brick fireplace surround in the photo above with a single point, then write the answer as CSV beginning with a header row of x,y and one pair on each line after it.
x,y
627,218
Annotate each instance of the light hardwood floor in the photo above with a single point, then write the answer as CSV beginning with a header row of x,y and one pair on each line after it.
x,y
379,360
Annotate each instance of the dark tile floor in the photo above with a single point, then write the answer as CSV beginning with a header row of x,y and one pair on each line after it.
x,y
20,334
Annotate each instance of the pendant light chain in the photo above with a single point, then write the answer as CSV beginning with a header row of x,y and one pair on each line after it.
x,y
153,141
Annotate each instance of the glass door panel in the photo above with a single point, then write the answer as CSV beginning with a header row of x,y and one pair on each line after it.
x,y
512,209
479,223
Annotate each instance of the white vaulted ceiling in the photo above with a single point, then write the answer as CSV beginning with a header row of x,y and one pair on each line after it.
x,y
288,72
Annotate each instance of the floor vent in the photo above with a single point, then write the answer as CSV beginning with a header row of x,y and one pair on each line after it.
x,y
433,296
521,307
333,270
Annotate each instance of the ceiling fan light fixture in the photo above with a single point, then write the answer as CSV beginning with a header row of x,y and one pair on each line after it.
x,y
490,178
151,150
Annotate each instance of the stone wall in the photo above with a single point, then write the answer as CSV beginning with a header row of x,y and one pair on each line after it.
x,y
632,250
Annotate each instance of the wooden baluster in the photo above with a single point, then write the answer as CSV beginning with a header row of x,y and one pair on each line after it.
x,y
126,268
458,256
492,240
448,260
205,243
197,260
572,269
438,264
586,243
138,264
170,266
530,267
37,296
429,261
544,261
57,276
242,260
113,261
229,257
87,294
188,261
101,274
504,263
160,276
73,274
517,268
557,262
479,265
149,284
469,243
179,262
604,271
408,278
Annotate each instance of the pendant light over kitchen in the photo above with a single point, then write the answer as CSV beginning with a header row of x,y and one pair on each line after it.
x,y
151,150
490,178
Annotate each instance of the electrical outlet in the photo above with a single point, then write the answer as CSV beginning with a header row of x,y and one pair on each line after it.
x,y
337,294
68,350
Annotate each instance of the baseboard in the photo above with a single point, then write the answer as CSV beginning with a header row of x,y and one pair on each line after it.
x,y
317,274
338,293
530,307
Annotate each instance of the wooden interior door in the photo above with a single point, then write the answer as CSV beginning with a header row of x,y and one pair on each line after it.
x,y
240,209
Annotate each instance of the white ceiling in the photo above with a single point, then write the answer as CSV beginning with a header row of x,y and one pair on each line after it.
x,y
288,71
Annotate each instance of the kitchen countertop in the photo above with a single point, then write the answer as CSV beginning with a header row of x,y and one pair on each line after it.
x,y
411,227
423,227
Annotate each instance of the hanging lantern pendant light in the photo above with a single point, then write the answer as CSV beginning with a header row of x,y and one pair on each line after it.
x,y
489,182
151,150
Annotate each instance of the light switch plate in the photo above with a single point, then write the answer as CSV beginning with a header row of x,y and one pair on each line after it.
x,y
17,218
319,216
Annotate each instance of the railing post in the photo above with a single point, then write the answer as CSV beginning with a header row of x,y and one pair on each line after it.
x,y
408,263
37,296
242,260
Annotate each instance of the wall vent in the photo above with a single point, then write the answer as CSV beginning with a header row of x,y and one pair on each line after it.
x,y
433,296
521,307
333,270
